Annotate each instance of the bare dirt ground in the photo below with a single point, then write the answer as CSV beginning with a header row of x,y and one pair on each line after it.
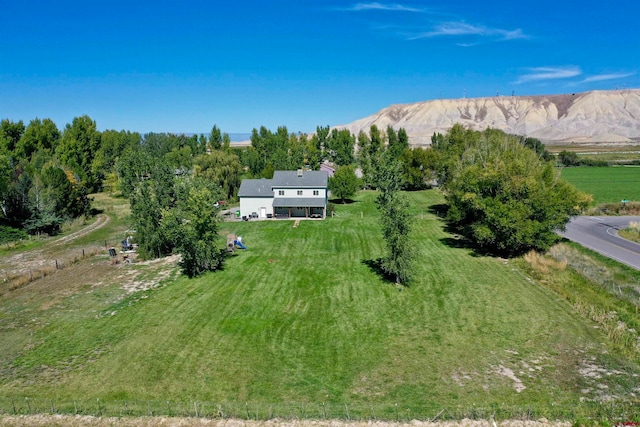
x,y
54,267
25,261
63,420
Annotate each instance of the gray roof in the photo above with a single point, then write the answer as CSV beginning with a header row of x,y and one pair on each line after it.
x,y
298,202
256,188
308,179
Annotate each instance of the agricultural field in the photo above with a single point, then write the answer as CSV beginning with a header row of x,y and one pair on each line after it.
x,y
606,184
302,319
613,154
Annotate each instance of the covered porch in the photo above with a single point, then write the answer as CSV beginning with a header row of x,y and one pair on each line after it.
x,y
299,208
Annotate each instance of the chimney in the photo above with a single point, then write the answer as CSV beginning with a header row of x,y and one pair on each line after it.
x,y
299,173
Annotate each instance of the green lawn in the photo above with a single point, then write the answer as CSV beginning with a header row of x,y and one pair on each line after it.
x,y
606,184
301,318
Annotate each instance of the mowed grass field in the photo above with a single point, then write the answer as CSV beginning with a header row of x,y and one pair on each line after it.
x,y
300,318
606,184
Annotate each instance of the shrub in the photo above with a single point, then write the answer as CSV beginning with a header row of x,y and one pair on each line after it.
x,y
10,234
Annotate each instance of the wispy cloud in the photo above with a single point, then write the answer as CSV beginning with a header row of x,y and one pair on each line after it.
x,y
548,73
603,77
464,29
394,7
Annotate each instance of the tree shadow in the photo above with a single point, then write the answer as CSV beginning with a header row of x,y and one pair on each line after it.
x,y
459,241
377,266
440,209
343,202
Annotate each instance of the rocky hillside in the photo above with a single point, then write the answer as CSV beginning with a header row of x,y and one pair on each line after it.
x,y
589,117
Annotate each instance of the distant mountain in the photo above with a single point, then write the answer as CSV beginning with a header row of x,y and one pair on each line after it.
x,y
589,117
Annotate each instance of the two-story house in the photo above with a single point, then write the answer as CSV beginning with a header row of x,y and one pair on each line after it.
x,y
290,194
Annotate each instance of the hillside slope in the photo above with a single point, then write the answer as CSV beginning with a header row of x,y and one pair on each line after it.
x,y
589,117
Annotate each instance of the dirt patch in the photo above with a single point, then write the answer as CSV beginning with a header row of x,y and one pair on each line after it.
x,y
63,420
101,221
594,375
52,252
131,280
518,385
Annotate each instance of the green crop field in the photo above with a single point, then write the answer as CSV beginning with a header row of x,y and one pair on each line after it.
x,y
606,184
301,318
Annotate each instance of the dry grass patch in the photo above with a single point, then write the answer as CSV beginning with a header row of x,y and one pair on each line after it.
x,y
632,232
600,295
544,264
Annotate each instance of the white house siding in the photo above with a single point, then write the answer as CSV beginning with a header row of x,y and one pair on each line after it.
x,y
249,205
289,193
306,193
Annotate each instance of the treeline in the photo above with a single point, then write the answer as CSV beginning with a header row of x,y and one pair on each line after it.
x,y
46,174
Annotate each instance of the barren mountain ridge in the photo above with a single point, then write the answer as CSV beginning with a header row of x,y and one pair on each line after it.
x,y
587,118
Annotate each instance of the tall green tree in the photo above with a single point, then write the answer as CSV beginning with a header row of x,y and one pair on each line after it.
x,y
59,195
321,138
506,199
340,147
367,164
40,135
78,147
536,145
568,158
450,148
418,167
312,154
344,183
221,168
395,220
150,199
6,181
10,134
196,223
215,138
113,145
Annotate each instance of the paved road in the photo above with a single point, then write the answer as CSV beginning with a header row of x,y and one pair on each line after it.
x,y
600,233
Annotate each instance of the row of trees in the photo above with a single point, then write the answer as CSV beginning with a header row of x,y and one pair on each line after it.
x,y
502,190
46,174
281,150
174,184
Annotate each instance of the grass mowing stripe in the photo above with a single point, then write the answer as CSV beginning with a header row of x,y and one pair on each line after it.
x,y
300,317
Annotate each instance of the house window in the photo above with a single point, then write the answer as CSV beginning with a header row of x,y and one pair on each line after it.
x,y
299,192
280,192
316,192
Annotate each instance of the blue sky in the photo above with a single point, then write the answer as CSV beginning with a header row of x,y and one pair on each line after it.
x,y
183,66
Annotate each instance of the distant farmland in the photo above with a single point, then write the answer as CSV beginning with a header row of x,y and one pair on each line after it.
x,y
606,184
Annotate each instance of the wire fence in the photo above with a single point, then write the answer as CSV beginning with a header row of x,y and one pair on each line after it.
x,y
613,411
